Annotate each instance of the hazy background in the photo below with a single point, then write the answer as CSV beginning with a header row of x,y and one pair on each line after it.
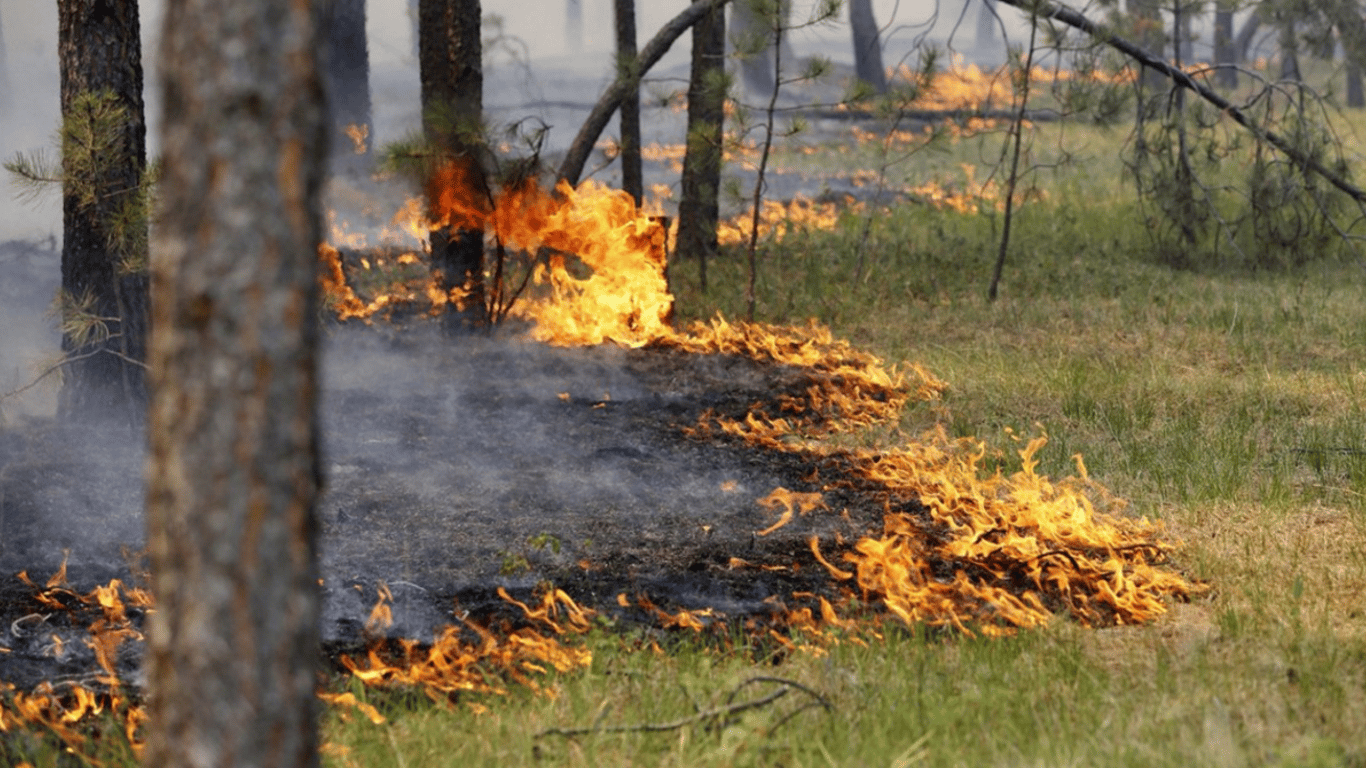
x,y
538,69
537,30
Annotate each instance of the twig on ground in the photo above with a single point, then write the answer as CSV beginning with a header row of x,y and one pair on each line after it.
x,y
730,708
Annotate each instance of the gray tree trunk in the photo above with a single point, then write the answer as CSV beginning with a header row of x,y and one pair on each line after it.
x,y
348,85
1289,45
452,74
1225,55
103,260
698,210
1147,18
987,26
573,24
232,482
867,45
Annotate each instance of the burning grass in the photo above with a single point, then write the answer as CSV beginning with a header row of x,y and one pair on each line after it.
x,y
960,547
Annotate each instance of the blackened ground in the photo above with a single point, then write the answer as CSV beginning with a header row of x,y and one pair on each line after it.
x,y
454,467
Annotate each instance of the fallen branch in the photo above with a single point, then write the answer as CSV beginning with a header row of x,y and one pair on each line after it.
x,y
1074,19
730,708
572,166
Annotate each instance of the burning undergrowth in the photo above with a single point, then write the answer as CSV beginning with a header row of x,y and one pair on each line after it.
x,y
490,495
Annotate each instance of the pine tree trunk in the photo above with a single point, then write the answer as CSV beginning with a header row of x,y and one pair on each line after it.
x,y
867,45
698,210
632,180
103,262
452,113
233,645
348,85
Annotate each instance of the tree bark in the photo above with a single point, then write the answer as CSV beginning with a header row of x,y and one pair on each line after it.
x,y
348,85
698,210
452,76
632,180
867,45
232,481
572,165
104,249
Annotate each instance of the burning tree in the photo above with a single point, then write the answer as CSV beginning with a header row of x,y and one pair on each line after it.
x,y
449,53
233,476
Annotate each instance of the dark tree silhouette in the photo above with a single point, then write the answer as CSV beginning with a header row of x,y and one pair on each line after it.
x,y
631,173
104,282
867,45
1225,55
348,84
697,206
233,645
452,113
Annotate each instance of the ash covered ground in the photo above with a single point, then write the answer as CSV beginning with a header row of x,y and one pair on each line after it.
x,y
454,467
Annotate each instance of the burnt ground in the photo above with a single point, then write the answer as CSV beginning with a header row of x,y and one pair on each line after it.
x,y
454,468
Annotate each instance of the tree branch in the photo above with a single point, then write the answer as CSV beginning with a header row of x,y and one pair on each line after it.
x,y
572,166
1074,19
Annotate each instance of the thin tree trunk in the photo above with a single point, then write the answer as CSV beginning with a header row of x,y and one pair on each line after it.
x,y
1242,43
867,45
573,24
1152,36
1289,45
1355,97
452,113
1225,56
233,646
103,250
698,210
987,25
348,85
631,174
